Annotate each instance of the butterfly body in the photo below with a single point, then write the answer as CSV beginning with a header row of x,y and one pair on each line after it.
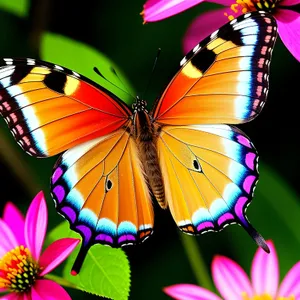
x,y
145,134
183,151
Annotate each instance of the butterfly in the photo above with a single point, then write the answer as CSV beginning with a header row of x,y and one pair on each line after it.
x,y
115,158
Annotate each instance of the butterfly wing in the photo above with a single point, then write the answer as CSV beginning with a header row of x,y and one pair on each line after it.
x,y
225,78
99,186
210,172
49,108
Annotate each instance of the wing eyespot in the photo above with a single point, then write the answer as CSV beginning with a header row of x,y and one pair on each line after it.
x,y
196,165
108,185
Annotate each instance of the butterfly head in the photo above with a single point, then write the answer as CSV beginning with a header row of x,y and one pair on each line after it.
x,y
139,105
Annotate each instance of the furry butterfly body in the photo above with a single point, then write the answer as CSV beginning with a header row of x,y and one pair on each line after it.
x,y
182,152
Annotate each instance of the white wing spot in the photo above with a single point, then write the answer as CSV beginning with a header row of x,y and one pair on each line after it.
x,y
28,153
184,222
30,61
76,74
58,67
183,61
214,34
8,61
247,15
196,48
233,22
145,227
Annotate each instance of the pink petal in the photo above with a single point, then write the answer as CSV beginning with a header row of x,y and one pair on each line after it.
x,y
230,279
48,290
291,283
265,272
222,2
289,2
189,292
7,238
155,10
15,220
56,253
289,30
35,295
203,26
36,225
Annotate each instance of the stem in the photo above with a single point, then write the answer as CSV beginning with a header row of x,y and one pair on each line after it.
x,y
39,21
61,281
196,261
19,167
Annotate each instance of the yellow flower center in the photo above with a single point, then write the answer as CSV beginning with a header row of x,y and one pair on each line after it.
x,y
266,297
244,6
18,270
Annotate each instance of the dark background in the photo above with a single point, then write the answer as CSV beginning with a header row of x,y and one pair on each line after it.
x,y
115,28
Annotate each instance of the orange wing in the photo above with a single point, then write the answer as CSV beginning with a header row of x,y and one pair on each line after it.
x,y
224,79
99,186
210,172
49,108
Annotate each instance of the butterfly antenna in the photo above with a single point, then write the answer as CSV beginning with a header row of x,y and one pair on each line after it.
x,y
152,72
125,90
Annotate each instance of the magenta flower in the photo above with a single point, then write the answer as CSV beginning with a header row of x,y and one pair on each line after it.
x,y
288,20
233,283
22,266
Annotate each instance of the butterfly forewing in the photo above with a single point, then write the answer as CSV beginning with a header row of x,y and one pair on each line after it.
x,y
50,109
224,79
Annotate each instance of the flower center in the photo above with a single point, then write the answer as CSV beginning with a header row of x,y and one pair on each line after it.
x,y
266,297
244,6
18,270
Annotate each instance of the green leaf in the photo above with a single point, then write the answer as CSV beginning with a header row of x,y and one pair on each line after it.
x,y
82,58
16,7
105,271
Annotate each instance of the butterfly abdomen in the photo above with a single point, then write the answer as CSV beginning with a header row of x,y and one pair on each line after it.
x,y
146,143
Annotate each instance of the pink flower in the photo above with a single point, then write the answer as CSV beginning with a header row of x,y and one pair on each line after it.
x,y
233,283
22,266
287,19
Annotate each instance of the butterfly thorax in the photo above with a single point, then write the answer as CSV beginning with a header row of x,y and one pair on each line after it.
x,y
145,134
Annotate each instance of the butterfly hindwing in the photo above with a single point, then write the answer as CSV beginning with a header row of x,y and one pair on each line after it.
x,y
210,172
225,78
50,109
99,186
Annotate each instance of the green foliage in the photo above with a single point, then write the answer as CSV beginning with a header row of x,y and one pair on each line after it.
x,y
105,272
82,58
276,193
16,7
